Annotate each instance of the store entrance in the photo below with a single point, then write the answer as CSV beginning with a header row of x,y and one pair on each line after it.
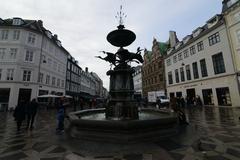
x,y
190,95
207,97
24,95
223,96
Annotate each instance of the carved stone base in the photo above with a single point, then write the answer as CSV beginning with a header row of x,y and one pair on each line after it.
x,y
121,104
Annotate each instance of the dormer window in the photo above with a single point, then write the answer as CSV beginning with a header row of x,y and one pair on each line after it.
x,y
178,45
211,22
197,32
186,39
17,21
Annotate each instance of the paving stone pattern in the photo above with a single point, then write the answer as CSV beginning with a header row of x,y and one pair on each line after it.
x,y
213,134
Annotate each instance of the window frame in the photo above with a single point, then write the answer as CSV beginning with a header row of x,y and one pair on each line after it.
x,y
195,70
200,46
214,39
27,74
218,63
188,72
203,67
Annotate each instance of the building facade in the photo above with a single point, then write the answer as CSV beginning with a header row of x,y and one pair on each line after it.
x,y
153,72
73,78
32,61
231,12
202,65
98,85
137,80
88,84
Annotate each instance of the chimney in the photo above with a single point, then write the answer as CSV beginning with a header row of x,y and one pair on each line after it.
x,y
55,36
173,38
86,69
40,22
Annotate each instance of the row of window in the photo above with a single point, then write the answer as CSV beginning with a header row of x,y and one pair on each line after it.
x,y
31,39
10,54
73,77
48,45
29,57
151,68
154,80
218,66
213,39
5,35
55,81
27,77
53,64
73,68
73,87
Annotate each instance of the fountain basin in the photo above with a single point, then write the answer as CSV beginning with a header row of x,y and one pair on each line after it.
x,y
152,125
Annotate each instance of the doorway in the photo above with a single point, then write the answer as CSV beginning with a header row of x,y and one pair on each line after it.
x,y
207,97
24,95
179,94
223,96
190,95
4,98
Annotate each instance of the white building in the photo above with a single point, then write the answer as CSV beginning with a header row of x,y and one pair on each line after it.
x,y
32,61
201,64
137,80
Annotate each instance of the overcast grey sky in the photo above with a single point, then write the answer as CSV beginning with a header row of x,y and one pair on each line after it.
x,y
82,25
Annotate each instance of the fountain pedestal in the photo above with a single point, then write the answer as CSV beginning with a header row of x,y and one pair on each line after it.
x,y
121,105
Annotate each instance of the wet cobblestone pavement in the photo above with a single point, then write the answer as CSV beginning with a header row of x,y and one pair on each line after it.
x,y
213,134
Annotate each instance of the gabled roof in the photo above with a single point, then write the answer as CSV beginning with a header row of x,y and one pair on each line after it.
x,y
163,47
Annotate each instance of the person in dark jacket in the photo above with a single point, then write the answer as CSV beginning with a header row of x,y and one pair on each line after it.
x,y
60,117
19,114
31,111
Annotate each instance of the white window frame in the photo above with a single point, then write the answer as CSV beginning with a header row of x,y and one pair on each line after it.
x,y
27,75
13,53
48,79
29,56
4,34
40,77
10,74
31,38
53,81
2,53
16,35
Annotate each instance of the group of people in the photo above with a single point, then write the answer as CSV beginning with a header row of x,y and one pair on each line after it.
x,y
25,110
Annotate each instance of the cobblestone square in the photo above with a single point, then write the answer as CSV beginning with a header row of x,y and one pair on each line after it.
x,y
213,133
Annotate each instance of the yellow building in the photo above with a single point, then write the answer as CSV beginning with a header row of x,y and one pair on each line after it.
x,y
231,12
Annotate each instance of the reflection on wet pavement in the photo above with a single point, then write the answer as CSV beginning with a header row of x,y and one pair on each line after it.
x,y
213,133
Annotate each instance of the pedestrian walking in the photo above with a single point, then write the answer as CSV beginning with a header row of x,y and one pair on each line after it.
x,y
180,114
158,102
60,117
31,111
19,114
182,102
